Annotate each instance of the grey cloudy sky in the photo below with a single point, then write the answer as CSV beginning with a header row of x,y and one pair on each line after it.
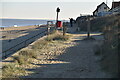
x,y
46,9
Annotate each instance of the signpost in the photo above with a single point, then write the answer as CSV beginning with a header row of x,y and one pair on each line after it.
x,y
58,10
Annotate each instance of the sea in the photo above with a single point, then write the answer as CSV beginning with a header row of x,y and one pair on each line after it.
x,y
22,22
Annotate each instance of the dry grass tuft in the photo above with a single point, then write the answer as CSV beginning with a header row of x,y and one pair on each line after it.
x,y
21,60
28,53
10,71
57,36
25,56
40,45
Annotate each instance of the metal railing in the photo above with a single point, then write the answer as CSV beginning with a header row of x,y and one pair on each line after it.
x,y
24,43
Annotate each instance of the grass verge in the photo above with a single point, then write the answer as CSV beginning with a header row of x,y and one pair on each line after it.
x,y
10,70
26,56
58,36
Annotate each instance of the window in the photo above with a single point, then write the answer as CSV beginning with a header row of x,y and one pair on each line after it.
x,y
105,7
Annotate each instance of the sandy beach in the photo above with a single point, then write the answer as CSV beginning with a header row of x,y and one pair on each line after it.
x,y
17,28
11,32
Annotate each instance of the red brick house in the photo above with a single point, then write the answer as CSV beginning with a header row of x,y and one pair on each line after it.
x,y
115,7
115,4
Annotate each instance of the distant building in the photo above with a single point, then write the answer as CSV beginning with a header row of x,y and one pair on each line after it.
x,y
101,10
115,4
81,22
115,8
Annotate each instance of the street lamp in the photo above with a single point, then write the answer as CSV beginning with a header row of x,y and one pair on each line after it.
x,y
57,10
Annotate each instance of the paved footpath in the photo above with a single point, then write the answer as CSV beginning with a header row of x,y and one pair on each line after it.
x,y
80,59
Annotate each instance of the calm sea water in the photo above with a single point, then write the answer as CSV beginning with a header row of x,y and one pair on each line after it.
x,y
21,22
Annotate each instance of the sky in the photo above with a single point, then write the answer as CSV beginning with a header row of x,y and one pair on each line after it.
x,y
46,9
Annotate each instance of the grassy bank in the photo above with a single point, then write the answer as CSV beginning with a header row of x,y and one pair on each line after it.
x,y
109,51
98,23
34,54
109,59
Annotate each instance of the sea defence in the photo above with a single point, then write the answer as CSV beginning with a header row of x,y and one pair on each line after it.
x,y
19,37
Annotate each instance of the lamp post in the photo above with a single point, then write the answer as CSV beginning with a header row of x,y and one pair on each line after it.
x,y
58,10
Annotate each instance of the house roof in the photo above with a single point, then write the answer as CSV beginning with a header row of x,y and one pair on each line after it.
x,y
115,4
99,6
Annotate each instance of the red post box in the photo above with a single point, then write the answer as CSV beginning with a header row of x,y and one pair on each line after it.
x,y
59,24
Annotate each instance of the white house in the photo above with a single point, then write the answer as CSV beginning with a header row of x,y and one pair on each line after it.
x,y
101,10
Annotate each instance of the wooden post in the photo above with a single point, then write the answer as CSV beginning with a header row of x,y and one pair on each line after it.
x,y
64,28
88,28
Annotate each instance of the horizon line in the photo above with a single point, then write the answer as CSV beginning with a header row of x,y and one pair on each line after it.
x,y
33,18
25,18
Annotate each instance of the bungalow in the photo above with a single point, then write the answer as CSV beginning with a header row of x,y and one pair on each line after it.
x,y
101,10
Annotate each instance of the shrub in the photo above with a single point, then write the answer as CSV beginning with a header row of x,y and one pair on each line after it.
x,y
50,37
40,44
61,37
21,59
12,71
28,53
57,37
